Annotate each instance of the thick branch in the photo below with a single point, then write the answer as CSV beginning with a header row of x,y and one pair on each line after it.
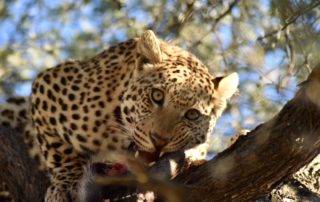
x,y
256,163
18,171
272,152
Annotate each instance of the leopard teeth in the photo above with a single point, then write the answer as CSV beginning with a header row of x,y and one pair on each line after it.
x,y
151,164
136,155
161,154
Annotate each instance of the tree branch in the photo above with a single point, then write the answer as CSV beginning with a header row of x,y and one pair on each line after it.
x,y
290,20
256,163
216,22
272,152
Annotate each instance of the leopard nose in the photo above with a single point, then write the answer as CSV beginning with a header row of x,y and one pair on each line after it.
x,y
158,140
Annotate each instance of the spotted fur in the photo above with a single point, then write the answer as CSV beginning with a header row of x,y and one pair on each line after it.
x,y
84,109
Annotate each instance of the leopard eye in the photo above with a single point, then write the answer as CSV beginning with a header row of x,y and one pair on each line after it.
x,y
192,114
157,96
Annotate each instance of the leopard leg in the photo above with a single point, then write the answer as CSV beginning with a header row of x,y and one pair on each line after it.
x,y
65,166
64,184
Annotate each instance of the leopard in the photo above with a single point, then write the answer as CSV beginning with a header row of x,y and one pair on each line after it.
x,y
143,91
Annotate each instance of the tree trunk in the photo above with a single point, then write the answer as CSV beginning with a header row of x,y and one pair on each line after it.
x,y
20,173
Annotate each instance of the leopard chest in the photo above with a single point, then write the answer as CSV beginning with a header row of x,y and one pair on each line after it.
x,y
97,124
84,112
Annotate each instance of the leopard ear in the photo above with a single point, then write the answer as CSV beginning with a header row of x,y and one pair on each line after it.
x,y
226,86
149,47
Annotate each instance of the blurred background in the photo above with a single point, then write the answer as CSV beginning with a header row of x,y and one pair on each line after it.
x,y
272,44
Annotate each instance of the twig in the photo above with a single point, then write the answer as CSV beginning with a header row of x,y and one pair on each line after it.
x,y
216,21
290,20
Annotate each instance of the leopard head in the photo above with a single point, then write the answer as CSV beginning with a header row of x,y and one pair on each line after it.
x,y
172,102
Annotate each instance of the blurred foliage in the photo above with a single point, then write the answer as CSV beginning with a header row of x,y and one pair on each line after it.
x,y
272,44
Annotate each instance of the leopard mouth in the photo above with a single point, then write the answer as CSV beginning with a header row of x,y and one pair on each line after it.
x,y
145,156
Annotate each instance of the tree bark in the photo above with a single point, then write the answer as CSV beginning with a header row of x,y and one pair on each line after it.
x,y
249,169
20,173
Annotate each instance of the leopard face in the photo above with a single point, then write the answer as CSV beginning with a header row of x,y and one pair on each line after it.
x,y
174,105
